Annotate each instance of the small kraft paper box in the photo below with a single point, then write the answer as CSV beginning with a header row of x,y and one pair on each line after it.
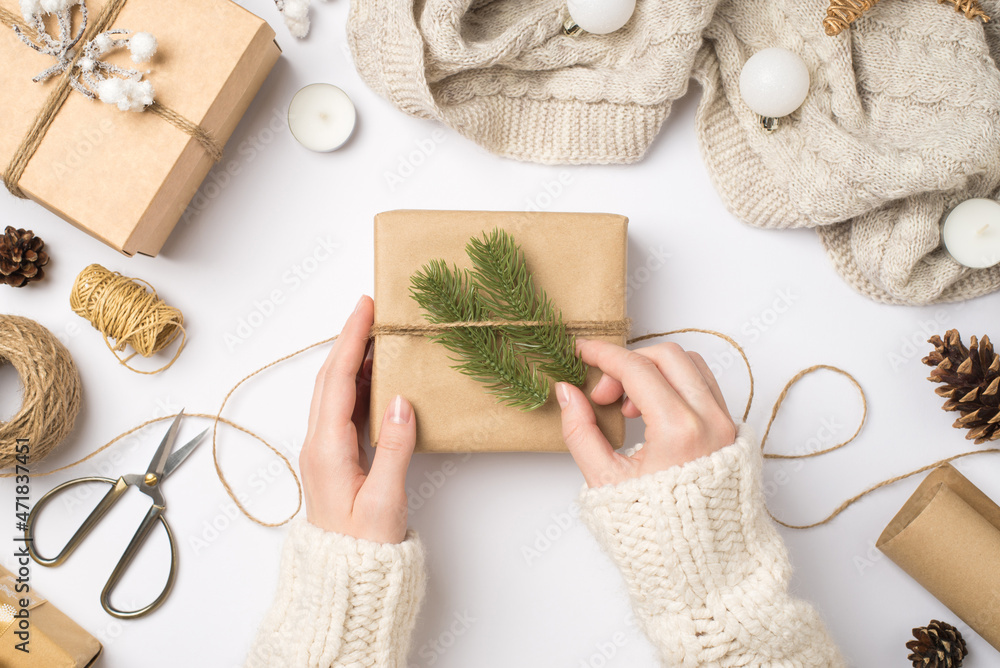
x,y
578,259
947,538
126,177
54,640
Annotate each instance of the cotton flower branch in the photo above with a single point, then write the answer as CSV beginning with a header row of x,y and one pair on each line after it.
x,y
296,15
91,75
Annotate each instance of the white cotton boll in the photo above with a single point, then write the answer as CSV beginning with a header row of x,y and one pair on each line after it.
x,y
103,43
143,47
298,27
139,95
30,8
296,9
87,64
55,6
111,91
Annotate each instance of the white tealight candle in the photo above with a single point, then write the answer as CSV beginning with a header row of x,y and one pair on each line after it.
x,y
971,233
321,117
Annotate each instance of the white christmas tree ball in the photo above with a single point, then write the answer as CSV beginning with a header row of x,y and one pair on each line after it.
x,y
143,47
601,17
774,82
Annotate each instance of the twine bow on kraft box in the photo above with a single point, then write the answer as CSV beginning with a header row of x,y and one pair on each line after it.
x,y
125,171
578,259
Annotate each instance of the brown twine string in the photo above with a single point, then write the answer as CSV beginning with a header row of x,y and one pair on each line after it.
x,y
774,413
217,418
580,327
52,389
719,335
203,136
121,309
54,102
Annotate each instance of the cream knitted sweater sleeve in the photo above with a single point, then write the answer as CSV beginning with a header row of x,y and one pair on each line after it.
x,y
705,567
341,601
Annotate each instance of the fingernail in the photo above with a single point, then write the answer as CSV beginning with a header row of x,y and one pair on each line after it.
x,y
401,412
562,394
360,302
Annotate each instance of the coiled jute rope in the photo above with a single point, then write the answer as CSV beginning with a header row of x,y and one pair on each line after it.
x,y
52,390
121,308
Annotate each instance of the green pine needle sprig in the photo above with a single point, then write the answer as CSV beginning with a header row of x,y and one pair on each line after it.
x,y
448,295
511,361
508,291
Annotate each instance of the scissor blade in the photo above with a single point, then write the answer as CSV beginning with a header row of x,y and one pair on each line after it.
x,y
178,457
159,460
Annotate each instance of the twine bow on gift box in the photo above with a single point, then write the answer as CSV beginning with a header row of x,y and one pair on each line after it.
x,y
83,70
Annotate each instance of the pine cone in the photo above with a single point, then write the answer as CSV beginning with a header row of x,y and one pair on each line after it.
x,y
971,377
21,257
937,645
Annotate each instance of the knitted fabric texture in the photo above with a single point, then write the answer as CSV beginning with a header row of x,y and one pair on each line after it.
x,y
902,123
341,602
504,75
705,567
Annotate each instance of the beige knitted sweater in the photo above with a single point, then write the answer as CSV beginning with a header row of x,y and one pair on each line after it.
x,y
705,568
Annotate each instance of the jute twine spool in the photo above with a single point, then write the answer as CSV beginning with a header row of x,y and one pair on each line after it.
x,y
122,309
52,389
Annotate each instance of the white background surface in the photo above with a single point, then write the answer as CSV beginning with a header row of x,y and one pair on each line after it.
x,y
246,237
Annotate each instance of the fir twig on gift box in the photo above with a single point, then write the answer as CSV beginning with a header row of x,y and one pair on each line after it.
x,y
126,177
578,259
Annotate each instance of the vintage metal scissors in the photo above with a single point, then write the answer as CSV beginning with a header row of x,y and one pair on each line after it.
x,y
162,465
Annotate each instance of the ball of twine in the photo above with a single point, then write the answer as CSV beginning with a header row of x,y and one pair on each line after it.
x,y
122,309
52,389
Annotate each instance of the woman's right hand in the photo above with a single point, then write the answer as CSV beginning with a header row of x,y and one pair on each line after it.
x,y
674,392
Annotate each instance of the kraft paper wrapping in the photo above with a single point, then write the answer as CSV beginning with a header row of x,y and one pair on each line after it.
x,y
578,259
126,177
947,538
55,640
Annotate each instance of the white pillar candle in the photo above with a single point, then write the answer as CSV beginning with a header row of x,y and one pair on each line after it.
x,y
321,117
971,233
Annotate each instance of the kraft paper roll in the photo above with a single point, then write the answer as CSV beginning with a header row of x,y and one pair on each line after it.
x,y
947,538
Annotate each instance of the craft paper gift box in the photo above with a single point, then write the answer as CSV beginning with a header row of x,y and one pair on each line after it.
x,y
54,640
578,259
126,177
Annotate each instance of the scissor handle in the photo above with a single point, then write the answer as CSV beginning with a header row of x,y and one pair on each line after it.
x,y
154,515
118,487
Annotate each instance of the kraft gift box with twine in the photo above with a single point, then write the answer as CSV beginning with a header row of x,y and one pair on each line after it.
x,y
126,177
54,640
578,259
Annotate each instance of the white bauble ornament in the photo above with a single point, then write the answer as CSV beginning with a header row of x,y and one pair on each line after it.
x,y
601,17
774,82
